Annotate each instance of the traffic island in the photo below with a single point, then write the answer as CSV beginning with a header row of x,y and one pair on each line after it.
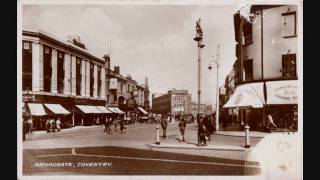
x,y
193,146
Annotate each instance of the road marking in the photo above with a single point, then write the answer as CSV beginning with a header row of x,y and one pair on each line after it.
x,y
73,151
153,159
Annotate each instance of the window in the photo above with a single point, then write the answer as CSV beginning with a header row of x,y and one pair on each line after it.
x,y
99,81
247,33
289,66
27,66
60,72
47,69
78,76
248,68
91,80
289,28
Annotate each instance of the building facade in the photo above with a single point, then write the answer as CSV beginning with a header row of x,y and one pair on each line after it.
x,y
266,65
58,72
174,102
123,91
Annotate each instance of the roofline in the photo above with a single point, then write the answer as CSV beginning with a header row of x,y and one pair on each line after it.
x,y
50,38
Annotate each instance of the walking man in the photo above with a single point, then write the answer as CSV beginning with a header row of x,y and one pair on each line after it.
x,y
58,124
164,125
201,132
182,127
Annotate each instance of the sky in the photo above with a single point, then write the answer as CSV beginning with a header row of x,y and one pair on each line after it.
x,y
154,41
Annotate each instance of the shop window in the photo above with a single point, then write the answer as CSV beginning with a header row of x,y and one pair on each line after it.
x,y
289,67
248,69
27,66
289,28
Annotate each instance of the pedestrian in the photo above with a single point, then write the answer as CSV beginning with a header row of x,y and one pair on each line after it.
x,y
122,128
208,127
54,125
182,127
201,132
30,125
58,122
47,125
115,124
270,121
24,129
164,125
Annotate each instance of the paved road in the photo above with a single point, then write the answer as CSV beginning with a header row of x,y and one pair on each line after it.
x,y
129,153
129,161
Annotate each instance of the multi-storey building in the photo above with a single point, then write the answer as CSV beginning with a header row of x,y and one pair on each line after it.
x,y
62,73
266,66
203,110
174,102
122,91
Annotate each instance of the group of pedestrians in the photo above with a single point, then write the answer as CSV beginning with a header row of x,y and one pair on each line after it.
x,y
53,125
115,122
205,129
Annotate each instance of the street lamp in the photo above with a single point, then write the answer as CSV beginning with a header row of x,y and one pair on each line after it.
x,y
216,61
198,39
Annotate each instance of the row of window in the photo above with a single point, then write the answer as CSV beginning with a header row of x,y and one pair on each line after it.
x,y
288,27
289,67
47,71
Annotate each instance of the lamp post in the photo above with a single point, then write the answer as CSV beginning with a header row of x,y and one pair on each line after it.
x,y
198,39
217,91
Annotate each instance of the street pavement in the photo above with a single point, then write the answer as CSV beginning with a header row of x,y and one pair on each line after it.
x,y
130,152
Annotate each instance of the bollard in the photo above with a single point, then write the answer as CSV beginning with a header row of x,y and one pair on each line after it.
x,y
158,139
247,145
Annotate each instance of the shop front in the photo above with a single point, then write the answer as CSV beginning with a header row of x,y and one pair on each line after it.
x,y
44,106
256,101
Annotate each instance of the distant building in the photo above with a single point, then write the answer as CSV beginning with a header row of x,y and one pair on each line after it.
x,y
204,109
174,102
123,91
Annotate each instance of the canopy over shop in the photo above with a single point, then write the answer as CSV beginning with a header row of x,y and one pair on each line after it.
x,y
115,110
279,98
142,111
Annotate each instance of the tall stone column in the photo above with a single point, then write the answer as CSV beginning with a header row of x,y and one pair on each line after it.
x,y
67,73
83,77
37,67
73,75
95,81
54,77
87,79
103,83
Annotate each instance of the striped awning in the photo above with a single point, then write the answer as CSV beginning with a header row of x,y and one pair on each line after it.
x,y
115,110
89,109
104,109
57,109
37,109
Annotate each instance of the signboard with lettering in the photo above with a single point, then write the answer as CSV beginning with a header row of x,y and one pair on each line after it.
x,y
282,92
28,98
113,83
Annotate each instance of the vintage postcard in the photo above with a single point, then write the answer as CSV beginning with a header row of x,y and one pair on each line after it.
x,y
150,89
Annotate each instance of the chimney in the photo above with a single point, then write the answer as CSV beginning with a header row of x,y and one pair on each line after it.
x,y
107,61
117,69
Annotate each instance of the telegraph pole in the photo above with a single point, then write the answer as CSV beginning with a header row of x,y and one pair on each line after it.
x,y
198,38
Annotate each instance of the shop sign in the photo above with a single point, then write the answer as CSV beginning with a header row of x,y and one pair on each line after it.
x,y
131,103
28,97
282,92
113,83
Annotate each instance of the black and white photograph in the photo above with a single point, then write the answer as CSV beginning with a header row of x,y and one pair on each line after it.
x,y
163,90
